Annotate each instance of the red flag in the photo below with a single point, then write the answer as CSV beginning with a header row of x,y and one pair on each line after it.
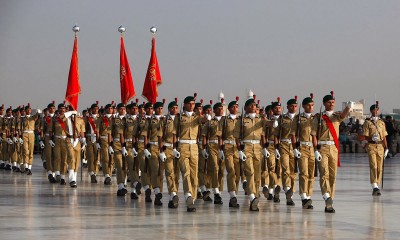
x,y
73,87
153,76
125,76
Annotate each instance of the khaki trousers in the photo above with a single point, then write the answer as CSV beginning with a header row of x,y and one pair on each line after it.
x,y
92,157
75,161
105,158
306,170
252,168
120,162
287,163
375,155
232,167
217,167
62,152
188,164
171,171
155,168
328,169
145,173
203,175
28,145
49,154
133,165
272,164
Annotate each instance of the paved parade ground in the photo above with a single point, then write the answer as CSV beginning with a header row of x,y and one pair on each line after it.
x,y
32,208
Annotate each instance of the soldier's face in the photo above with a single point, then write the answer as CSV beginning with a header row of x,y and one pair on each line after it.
x,y
218,111
329,105
18,113
252,108
149,111
189,106
158,111
207,111
109,110
134,110
95,110
1,111
234,109
52,110
270,112
9,113
292,108
375,112
277,110
308,108
173,110
61,110
28,111
121,111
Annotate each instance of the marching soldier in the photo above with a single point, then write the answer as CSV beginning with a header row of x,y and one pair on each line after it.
x,y
16,157
304,151
232,164
7,145
249,137
204,179
268,188
103,140
78,144
284,144
46,133
2,136
171,163
186,130
94,141
28,136
375,143
325,140
117,148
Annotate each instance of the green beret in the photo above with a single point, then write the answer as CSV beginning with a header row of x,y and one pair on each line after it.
x,y
292,101
198,104
208,106
50,105
129,106
217,105
94,105
307,100
232,104
120,105
172,104
61,105
249,102
268,108
140,106
275,104
328,98
158,105
27,107
108,105
373,107
101,111
188,99
148,105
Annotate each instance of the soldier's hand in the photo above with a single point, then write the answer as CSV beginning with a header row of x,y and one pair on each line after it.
x,y
162,156
297,153
176,153
83,147
9,141
221,155
147,154
266,153
124,152
242,156
277,154
98,146
204,153
134,152
83,141
52,144
110,150
75,143
318,156
385,153
275,125
41,144
350,104
15,140
21,141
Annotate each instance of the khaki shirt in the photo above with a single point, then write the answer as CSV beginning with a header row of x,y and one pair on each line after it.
x,y
130,127
253,129
156,129
46,124
168,126
284,127
105,125
189,126
80,126
229,127
213,129
118,126
57,129
28,123
97,122
370,128
325,133
305,127
269,130
7,125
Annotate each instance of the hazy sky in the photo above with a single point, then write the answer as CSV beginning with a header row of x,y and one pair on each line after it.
x,y
276,48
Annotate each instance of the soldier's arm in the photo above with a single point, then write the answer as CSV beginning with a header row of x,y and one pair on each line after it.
x,y
344,113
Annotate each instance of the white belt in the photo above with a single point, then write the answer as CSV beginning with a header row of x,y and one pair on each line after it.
x,y
168,144
229,142
251,141
326,142
28,131
286,140
141,140
61,137
213,141
116,139
271,142
188,141
306,143
128,140
90,135
47,134
154,143
104,137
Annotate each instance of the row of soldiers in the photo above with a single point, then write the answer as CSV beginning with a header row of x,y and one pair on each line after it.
x,y
264,151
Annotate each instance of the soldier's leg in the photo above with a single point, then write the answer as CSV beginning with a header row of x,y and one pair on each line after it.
x,y
145,172
249,172
105,159
372,155
64,158
57,158
49,159
230,169
31,146
121,171
311,171
201,175
155,174
325,177
193,163
304,174
257,159
74,154
212,161
184,167
379,163
133,170
333,160
171,178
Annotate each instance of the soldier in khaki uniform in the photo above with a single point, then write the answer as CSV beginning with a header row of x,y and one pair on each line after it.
x,y
46,133
328,152
117,147
28,136
130,134
171,163
78,143
230,152
250,141
2,136
186,130
284,144
266,181
16,157
7,145
375,143
304,151
104,139
204,166
61,140
212,151
92,127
